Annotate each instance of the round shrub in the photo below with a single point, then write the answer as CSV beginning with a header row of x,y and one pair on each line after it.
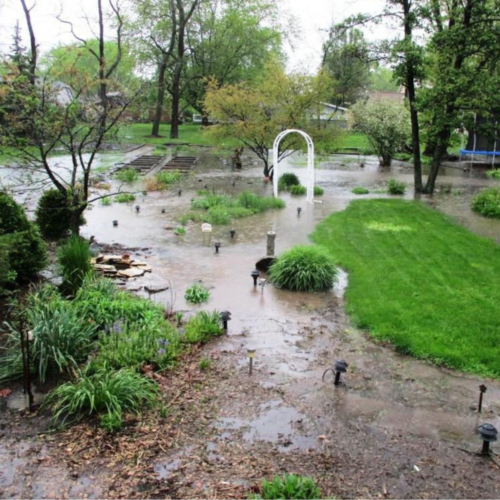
x,y
304,269
360,190
487,202
12,216
287,180
23,253
396,187
53,214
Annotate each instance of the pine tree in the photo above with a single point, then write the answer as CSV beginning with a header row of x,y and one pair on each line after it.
x,y
18,55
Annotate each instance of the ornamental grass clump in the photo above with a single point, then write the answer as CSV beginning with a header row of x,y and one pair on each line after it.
x,y
74,263
303,269
202,327
360,190
127,175
298,190
289,486
487,202
396,187
102,392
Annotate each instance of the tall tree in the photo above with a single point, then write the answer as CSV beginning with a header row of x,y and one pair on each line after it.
x,y
229,41
255,113
346,59
35,122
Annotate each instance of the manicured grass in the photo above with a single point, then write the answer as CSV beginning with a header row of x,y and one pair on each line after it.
x,y
139,133
417,279
354,140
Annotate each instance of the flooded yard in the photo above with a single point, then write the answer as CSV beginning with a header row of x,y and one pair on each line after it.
x,y
395,428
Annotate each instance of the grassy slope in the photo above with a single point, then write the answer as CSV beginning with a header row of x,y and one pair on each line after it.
x,y
429,286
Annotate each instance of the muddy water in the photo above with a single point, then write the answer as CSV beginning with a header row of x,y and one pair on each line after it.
x,y
384,400
383,389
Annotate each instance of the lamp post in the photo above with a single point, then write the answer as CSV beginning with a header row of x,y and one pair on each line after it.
x,y
482,390
232,233
340,367
251,354
299,209
137,209
179,192
217,245
115,223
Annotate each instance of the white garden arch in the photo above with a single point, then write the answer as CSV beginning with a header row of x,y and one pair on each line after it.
x,y
310,162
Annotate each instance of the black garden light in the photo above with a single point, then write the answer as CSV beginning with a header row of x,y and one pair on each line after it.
x,y
488,434
482,390
225,316
163,211
339,367
299,209
115,223
179,192
137,209
251,355
232,233
255,274
217,245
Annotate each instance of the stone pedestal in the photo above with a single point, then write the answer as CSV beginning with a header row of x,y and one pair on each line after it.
x,y
271,241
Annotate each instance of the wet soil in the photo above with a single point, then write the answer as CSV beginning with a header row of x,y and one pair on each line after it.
x,y
396,427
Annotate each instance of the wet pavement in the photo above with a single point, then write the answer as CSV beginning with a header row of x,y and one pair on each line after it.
x,y
396,427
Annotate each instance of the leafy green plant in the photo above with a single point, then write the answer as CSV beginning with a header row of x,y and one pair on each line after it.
x,y
125,198
191,216
61,339
360,190
197,294
105,202
104,392
290,486
205,363
150,341
127,175
53,214
298,190
74,262
287,180
487,202
303,268
318,191
22,250
396,187
494,174
168,177
179,231
202,327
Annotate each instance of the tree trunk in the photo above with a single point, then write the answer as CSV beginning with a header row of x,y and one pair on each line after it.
x,y
76,220
204,120
410,87
385,162
160,97
439,153
176,97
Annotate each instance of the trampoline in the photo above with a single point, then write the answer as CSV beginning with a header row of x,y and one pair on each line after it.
x,y
482,145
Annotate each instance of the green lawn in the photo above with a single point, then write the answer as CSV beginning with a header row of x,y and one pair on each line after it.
x,y
354,140
420,281
188,132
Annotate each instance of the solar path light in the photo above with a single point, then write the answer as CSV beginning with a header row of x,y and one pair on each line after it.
x,y
251,355
488,434
255,274
225,316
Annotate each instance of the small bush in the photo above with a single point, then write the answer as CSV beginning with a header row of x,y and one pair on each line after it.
x,y
202,327
487,202
105,202
396,187
125,198
298,190
286,181
12,216
127,175
53,214
218,216
197,294
318,191
103,392
494,174
290,486
303,268
22,251
25,253
179,231
166,178
74,262
360,190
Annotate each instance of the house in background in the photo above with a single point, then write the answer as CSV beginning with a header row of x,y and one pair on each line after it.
x,y
398,96
331,113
